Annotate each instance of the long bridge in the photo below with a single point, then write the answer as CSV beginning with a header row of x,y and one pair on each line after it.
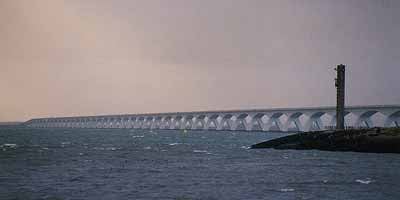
x,y
279,119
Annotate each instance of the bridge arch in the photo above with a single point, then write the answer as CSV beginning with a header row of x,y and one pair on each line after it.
x,y
314,122
199,122
212,122
364,118
166,122
241,122
177,122
187,122
294,119
226,122
274,123
256,122
393,120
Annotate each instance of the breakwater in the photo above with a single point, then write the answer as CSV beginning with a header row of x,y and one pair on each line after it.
x,y
375,140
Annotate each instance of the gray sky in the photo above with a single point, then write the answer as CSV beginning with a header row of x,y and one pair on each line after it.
x,y
76,57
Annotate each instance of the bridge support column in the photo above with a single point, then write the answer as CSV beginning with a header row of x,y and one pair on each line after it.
x,y
256,122
167,122
99,123
392,119
156,123
314,122
293,118
274,121
125,122
364,119
139,123
177,122
199,122
212,120
226,123
241,122
149,122
119,123
187,122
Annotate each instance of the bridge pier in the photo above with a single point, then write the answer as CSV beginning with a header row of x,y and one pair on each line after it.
x,y
256,122
293,118
241,123
226,123
314,122
200,123
274,122
212,120
392,119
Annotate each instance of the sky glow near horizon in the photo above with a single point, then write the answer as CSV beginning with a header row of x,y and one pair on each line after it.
x,y
75,57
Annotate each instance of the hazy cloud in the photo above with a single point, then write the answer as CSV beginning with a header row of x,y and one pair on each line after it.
x,y
91,57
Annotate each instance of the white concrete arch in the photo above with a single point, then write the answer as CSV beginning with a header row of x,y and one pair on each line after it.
x,y
240,123
116,122
256,122
148,122
125,122
177,122
212,120
132,122
84,122
314,122
274,121
393,119
226,122
364,118
102,122
166,122
293,118
139,122
200,122
157,122
187,122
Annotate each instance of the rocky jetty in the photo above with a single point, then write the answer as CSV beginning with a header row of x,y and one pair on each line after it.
x,y
374,140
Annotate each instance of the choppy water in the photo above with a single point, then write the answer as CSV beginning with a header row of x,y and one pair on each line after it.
x,y
128,164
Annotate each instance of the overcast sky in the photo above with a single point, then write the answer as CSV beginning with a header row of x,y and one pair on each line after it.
x,y
89,57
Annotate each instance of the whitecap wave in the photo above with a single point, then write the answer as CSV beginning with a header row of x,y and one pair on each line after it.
x,y
287,190
173,144
63,144
366,181
107,148
200,151
9,145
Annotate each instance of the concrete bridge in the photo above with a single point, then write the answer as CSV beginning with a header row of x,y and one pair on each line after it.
x,y
281,119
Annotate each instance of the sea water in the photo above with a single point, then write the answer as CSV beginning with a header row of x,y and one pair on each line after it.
x,y
173,164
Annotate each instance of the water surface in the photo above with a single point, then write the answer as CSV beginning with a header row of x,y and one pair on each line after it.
x,y
142,164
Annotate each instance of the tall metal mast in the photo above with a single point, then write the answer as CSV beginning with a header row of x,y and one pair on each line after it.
x,y
340,96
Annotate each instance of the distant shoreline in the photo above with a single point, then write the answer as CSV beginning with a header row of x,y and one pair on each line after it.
x,y
10,123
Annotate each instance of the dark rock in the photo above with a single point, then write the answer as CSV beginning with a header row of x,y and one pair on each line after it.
x,y
375,140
